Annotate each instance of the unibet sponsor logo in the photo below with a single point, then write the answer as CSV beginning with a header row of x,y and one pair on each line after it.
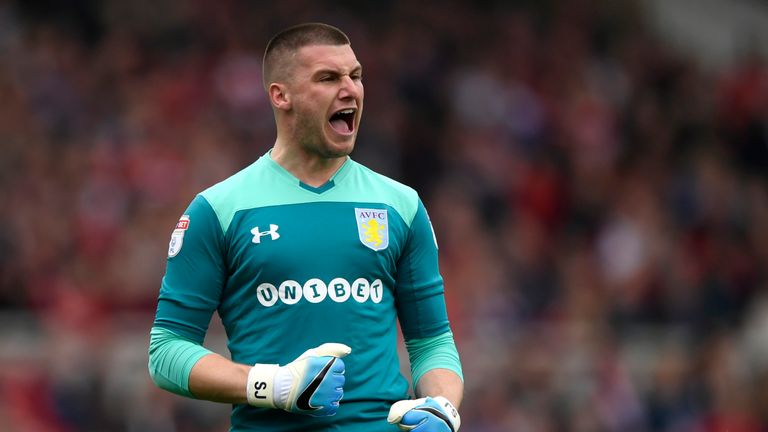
x,y
315,290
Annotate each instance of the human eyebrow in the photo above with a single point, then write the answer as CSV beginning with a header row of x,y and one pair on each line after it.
x,y
323,74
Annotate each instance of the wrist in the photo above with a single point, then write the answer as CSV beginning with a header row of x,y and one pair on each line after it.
x,y
450,411
436,411
260,385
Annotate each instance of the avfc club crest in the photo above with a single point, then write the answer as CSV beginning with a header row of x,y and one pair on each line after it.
x,y
177,238
373,228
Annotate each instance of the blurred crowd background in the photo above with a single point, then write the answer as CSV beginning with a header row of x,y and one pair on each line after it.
x,y
600,197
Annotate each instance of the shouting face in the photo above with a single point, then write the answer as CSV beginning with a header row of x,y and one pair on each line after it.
x,y
325,95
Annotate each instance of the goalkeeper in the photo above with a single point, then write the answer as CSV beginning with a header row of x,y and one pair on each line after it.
x,y
310,260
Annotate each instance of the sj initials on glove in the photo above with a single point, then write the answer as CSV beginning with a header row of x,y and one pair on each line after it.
x,y
425,415
312,384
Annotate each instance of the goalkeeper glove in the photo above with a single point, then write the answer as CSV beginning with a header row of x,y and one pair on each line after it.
x,y
425,415
312,384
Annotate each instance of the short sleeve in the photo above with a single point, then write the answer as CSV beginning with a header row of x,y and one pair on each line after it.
x,y
195,273
419,287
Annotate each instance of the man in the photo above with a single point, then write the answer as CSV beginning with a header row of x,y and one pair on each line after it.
x,y
309,257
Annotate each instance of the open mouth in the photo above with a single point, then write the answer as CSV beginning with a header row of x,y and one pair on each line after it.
x,y
343,121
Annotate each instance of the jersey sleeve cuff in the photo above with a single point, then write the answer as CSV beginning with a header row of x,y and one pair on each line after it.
x,y
437,352
171,359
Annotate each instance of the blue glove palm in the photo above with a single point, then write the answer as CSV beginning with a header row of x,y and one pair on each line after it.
x,y
312,384
425,415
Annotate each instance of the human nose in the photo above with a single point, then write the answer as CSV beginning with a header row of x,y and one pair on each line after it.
x,y
350,88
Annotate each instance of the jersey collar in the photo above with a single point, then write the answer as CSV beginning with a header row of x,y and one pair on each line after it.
x,y
337,177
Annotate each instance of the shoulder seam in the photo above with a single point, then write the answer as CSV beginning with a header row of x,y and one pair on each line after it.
x,y
215,212
409,194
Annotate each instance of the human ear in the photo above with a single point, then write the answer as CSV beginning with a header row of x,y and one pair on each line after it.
x,y
279,97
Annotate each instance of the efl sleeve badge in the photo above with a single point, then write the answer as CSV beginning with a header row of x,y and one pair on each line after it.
x,y
177,237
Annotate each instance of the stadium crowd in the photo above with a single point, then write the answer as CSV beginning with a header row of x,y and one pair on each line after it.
x,y
600,201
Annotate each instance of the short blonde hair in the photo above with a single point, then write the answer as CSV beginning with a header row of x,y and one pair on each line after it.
x,y
283,45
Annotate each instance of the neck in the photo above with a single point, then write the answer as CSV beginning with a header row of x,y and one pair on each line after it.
x,y
310,168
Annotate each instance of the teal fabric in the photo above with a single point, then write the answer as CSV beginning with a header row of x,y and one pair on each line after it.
x,y
171,359
194,279
264,184
288,268
437,352
421,304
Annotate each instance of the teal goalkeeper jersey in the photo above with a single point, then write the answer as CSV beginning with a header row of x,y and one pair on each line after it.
x,y
289,267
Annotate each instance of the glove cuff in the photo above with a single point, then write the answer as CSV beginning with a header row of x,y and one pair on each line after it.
x,y
450,411
259,389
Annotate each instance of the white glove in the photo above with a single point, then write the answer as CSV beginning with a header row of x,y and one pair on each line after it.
x,y
425,415
312,384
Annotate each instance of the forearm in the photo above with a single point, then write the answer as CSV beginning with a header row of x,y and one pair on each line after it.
x,y
441,382
184,367
218,379
436,368
439,393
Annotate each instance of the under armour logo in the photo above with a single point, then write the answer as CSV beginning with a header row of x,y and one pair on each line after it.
x,y
273,234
